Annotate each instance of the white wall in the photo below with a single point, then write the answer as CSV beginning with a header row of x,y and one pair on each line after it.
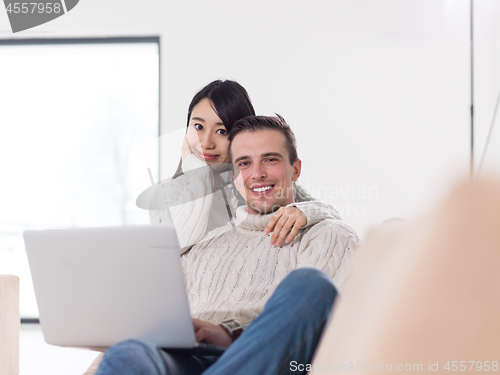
x,y
377,92
486,82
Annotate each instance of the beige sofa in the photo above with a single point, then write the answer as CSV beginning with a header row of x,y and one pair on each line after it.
x,y
10,325
423,296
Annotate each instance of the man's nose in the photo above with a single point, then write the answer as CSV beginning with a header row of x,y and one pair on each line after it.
x,y
258,172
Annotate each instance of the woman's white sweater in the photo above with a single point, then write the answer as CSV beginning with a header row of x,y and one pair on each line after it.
x,y
234,270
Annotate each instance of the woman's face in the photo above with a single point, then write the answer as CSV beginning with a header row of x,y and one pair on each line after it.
x,y
207,136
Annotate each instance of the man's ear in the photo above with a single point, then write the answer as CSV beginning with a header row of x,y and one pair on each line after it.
x,y
297,166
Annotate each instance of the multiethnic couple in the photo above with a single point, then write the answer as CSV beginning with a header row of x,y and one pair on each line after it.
x,y
263,259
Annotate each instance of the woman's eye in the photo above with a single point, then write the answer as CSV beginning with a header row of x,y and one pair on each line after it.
x,y
221,131
198,126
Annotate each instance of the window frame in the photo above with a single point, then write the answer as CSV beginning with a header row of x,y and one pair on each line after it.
x,y
93,40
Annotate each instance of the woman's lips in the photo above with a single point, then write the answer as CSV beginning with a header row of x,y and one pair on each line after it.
x,y
207,156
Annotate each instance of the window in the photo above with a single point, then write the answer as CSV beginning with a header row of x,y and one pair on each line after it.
x,y
79,124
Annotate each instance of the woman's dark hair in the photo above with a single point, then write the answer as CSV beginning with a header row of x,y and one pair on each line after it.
x,y
230,101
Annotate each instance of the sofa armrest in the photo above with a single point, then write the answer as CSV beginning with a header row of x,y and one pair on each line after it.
x,y
10,325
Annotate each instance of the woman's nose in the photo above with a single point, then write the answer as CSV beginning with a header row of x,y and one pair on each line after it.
x,y
207,142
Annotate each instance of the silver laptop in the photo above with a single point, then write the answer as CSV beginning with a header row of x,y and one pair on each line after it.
x,y
96,287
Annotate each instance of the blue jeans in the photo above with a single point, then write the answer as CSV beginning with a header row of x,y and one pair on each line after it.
x,y
287,331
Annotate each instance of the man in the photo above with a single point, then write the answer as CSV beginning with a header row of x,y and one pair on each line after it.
x,y
235,277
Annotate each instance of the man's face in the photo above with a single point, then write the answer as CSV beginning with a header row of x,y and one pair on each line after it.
x,y
262,170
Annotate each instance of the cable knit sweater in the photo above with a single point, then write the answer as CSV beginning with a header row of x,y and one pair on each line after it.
x,y
200,206
233,271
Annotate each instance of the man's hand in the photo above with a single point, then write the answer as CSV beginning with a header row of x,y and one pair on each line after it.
x,y
211,333
286,219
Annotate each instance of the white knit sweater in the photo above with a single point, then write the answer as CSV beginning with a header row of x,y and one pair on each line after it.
x,y
233,271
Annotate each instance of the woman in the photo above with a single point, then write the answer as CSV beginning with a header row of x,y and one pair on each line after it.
x,y
201,196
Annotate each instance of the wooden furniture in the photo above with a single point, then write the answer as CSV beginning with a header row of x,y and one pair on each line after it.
x,y
10,325
94,365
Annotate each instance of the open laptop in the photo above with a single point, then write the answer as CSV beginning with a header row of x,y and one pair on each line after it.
x,y
96,287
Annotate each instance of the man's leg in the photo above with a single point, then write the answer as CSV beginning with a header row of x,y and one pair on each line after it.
x,y
135,357
283,338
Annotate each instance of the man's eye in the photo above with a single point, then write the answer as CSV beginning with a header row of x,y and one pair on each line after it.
x,y
221,131
271,159
242,164
198,126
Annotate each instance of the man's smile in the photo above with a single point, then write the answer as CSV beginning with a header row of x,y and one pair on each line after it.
x,y
261,189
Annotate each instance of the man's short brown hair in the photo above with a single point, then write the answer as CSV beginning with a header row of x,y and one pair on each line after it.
x,y
256,123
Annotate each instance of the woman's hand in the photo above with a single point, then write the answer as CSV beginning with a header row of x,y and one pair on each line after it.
x,y
186,149
211,333
286,219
